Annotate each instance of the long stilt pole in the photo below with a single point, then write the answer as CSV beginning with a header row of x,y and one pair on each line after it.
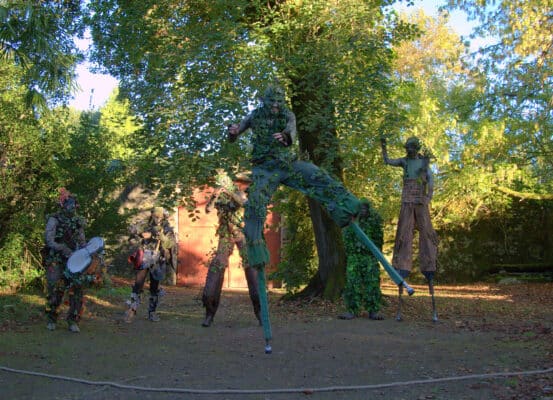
x,y
380,257
265,321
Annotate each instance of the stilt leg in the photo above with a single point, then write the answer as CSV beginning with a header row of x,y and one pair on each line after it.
x,y
429,275
399,303
264,310
404,274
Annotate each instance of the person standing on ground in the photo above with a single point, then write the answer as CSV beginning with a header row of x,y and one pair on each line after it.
x,y
64,235
362,290
155,239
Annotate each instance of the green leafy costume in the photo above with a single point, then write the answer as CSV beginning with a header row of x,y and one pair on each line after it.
x,y
362,290
273,164
64,235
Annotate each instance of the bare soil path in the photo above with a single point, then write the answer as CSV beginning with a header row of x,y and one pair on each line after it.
x,y
483,329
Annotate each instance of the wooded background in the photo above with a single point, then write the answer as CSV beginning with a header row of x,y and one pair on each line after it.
x,y
353,71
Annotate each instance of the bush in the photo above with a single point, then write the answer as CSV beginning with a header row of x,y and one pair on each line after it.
x,y
18,266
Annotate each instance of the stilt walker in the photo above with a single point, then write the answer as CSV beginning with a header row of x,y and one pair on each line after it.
x,y
418,188
273,163
228,198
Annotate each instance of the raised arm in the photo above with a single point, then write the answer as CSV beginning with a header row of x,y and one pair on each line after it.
x,y
396,162
211,202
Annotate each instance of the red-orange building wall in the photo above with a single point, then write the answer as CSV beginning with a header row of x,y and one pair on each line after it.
x,y
197,240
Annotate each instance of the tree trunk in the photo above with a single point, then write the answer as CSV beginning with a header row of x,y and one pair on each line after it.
x,y
317,137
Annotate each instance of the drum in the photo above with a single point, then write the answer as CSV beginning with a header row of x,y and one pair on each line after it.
x,y
95,266
82,258
95,244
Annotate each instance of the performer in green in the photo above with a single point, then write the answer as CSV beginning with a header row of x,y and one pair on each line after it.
x,y
362,290
64,235
273,128
418,188
228,199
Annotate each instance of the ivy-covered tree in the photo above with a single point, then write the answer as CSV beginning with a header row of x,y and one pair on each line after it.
x,y
189,68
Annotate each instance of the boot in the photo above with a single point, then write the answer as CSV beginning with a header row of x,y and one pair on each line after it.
x,y
73,327
208,319
152,316
133,306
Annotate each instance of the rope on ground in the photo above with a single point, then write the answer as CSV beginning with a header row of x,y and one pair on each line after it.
x,y
281,391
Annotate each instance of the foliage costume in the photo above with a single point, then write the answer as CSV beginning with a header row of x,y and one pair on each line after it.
x,y
64,234
418,187
273,129
156,242
362,290
228,200
273,164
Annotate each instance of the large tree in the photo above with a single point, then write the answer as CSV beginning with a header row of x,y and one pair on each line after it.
x,y
188,67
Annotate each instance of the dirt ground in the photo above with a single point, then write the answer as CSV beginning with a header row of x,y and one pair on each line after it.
x,y
482,329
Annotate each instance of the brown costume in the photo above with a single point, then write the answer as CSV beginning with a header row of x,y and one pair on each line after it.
x,y
228,200
418,188
155,239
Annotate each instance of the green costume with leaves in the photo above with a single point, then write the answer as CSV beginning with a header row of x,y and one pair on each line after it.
x,y
64,235
273,164
362,290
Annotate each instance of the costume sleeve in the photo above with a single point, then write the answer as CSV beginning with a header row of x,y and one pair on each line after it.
x,y
239,197
51,226
81,235
244,124
290,129
211,202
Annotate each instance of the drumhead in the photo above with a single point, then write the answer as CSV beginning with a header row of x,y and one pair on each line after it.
x,y
95,244
79,260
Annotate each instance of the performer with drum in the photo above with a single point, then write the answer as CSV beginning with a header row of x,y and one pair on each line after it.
x,y
64,235
155,240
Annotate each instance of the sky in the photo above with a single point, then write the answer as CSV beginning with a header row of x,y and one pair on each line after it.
x,y
95,89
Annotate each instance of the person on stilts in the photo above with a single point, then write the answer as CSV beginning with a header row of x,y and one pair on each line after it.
x,y
417,192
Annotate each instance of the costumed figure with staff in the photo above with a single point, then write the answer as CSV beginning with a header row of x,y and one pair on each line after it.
x,y
155,241
273,128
